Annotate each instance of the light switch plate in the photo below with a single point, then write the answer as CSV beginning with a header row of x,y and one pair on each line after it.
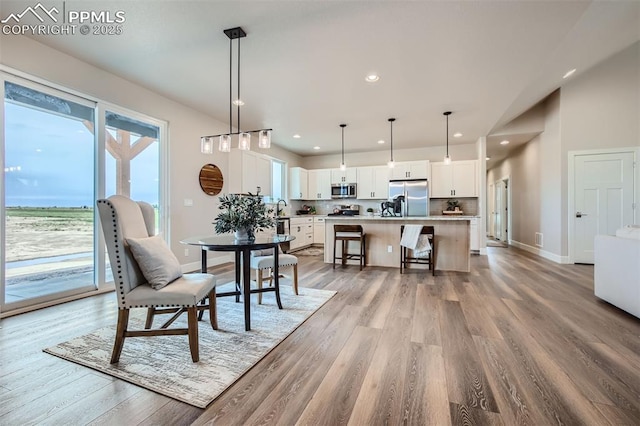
x,y
188,202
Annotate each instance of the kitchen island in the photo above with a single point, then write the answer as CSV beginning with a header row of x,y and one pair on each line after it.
x,y
451,239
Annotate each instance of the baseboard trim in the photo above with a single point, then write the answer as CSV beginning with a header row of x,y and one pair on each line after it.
x,y
211,261
542,253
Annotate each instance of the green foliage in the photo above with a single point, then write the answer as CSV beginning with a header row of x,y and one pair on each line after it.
x,y
243,212
452,204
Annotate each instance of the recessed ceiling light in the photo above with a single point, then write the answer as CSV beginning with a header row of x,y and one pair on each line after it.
x,y
316,148
381,141
457,135
488,158
504,143
569,73
238,102
372,78
296,136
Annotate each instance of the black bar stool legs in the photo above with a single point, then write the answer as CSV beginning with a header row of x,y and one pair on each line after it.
x,y
346,233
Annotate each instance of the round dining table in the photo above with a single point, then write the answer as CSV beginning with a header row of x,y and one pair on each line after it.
x,y
242,249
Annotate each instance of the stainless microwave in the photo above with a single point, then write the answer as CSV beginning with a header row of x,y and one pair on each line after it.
x,y
343,190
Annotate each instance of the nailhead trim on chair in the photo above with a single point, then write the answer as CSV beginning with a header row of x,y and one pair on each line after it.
x,y
120,249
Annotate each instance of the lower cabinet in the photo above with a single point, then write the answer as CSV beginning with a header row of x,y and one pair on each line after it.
x,y
474,240
302,229
318,230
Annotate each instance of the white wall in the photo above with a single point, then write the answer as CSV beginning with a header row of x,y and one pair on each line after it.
x,y
599,109
186,125
379,158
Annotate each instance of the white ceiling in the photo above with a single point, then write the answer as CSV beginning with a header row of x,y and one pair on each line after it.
x,y
304,63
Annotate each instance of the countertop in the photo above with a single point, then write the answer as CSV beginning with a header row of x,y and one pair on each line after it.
x,y
404,219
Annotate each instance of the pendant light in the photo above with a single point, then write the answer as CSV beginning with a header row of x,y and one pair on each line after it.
x,y
391,164
264,140
447,158
244,138
343,166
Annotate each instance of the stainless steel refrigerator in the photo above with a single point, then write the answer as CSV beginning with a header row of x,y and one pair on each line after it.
x,y
415,193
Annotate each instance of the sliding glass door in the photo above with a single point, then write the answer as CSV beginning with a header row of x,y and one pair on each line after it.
x,y
48,195
56,164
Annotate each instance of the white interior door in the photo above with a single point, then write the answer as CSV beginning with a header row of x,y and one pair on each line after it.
x,y
490,210
504,212
603,185
499,210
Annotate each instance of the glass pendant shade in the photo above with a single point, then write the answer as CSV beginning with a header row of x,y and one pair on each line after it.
x,y
391,164
244,142
264,140
225,143
447,159
206,145
343,167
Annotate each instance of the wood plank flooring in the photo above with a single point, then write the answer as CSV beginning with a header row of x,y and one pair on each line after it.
x,y
517,341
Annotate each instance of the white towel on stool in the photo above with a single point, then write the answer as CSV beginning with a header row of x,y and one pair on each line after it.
x,y
413,239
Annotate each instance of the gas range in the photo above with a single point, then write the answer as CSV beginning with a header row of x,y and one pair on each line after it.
x,y
345,213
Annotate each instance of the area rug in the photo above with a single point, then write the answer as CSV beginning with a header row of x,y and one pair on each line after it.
x,y
163,363
311,251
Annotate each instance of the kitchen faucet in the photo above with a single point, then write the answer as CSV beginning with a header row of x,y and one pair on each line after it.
x,y
278,210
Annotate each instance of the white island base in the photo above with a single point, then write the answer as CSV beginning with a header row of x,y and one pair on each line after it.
x,y
451,240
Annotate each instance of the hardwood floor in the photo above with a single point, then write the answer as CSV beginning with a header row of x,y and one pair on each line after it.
x,y
518,340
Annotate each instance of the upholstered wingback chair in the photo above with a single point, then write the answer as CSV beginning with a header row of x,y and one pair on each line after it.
x,y
147,274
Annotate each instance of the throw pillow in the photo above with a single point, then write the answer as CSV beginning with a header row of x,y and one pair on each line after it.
x,y
156,261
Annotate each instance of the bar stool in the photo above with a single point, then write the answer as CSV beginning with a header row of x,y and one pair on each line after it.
x,y
346,233
405,259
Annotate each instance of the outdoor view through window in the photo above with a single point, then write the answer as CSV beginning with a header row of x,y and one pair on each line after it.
x,y
50,169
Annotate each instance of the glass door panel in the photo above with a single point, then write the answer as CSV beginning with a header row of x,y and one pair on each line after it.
x,y
49,148
132,162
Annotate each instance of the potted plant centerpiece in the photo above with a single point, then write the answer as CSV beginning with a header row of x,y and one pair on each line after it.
x,y
243,215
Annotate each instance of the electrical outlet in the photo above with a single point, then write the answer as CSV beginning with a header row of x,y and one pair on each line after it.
x,y
188,202
186,252
390,249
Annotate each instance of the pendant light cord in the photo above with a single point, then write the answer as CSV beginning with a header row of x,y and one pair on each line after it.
x,y
342,144
239,99
230,85
447,114
391,120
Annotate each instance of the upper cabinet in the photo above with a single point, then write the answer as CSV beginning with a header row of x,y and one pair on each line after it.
x,y
344,176
410,170
319,184
458,179
298,183
373,183
250,170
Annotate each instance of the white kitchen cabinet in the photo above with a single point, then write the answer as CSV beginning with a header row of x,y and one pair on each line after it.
x,y
302,229
474,240
458,179
298,183
350,175
373,183
318,230
319,184
249,170
411,170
